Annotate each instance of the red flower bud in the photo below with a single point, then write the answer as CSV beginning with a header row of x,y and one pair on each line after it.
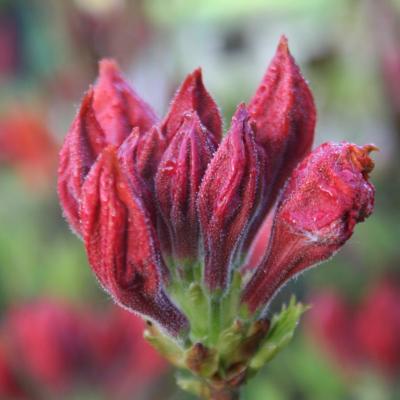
x,y
327,194
178,180
118,108
140,155
122,246
83,143
192,96
228,198
284,114
107,115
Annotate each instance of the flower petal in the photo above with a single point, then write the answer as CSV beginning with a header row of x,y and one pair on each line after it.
x,y
193,96
118,108
178,180
284,114
122,246
228,198
84,141
327,194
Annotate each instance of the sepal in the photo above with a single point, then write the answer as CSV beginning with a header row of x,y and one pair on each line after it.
x,y
283,326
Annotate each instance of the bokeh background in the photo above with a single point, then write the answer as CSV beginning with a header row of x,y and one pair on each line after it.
x,y
60,336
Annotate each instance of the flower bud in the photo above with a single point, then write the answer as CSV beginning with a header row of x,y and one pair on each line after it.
x,y
178,180
84,141
107,115
117,107
121,244
327,194
228,198
140,167
192,96
284,114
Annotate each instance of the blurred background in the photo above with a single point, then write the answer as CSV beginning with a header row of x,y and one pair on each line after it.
x,y
60,336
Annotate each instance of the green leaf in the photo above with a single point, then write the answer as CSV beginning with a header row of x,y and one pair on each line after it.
x,y
280,334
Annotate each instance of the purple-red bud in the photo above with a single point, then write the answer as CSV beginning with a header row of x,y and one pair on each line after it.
x,y
284,114
228,198
121,244
109,112
118,108
83,143
327,194
178,180
192,96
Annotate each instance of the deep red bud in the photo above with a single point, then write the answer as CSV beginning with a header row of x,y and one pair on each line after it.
x,y
327,194
284,114
84,141
140,156
109,112
178,180
228,198
118,108
121,244
192,96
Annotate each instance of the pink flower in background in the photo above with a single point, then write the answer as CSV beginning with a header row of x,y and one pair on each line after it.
x,y
330,323
51,348
49,343
378,326
124,362
27,145
362,334
10,386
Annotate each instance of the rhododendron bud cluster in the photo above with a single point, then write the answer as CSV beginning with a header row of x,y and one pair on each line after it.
x,y
197,231
48,348
365,333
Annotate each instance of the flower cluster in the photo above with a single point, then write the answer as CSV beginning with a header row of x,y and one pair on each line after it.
x,y
178,220
48,348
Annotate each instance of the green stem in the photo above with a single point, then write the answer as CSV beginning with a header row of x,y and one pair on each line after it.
x,y
215,318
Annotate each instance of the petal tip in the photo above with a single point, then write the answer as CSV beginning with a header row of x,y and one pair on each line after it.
x,y
108,67
241,113
283,44
361,159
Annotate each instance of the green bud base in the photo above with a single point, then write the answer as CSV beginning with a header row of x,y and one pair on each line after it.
x,y
225,346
